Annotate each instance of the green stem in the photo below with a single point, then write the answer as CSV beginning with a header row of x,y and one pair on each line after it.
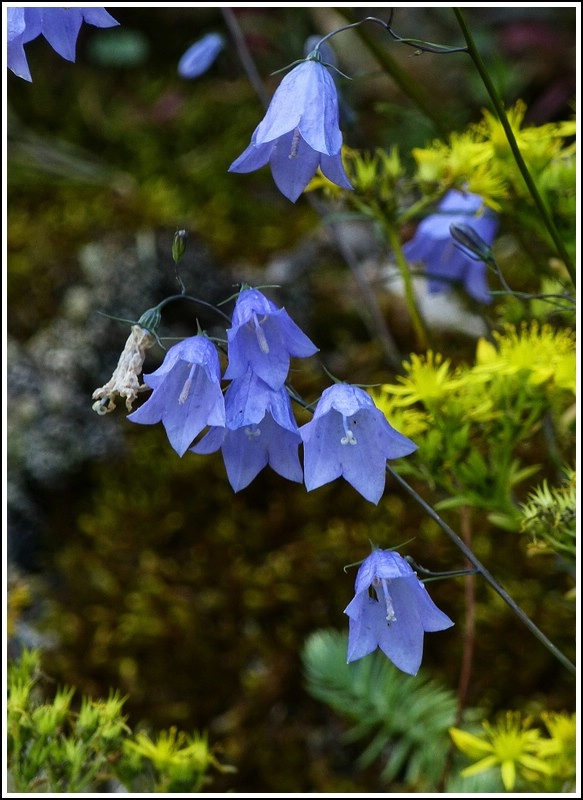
x,y
421,331
503,117
485,573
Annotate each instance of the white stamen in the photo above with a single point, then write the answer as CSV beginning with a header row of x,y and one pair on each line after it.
x,y
259,332
391,616
252,432
295,144
349,438
186,388
381,586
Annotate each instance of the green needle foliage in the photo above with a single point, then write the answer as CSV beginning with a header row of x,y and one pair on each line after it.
x,y
405,719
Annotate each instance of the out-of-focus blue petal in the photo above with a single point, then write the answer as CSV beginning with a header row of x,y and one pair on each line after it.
x,y
200,56
434,247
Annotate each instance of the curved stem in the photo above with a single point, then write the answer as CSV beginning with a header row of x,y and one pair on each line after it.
x,y
193,300
421,332
503,118
485,573
245,56
404,81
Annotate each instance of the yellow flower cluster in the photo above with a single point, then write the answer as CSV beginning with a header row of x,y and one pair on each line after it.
x,y
533,355
515,747
480,160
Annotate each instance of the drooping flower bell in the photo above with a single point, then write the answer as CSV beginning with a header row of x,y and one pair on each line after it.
x,y
263,337
187,394
391,610
434,246
349,436
260,431
299,132
59,26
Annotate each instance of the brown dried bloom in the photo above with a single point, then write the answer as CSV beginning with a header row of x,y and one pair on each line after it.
x,y
124,381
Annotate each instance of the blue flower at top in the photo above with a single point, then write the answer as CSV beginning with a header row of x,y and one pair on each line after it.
x,y
263,337
260,430
200,56
299,132
349,436
434,246
397,614
59,26
187,392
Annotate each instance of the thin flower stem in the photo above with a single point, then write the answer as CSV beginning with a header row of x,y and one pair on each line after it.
x,y
245,56
374,320
485,573
193,300
380,329
469,634
503,117
421,331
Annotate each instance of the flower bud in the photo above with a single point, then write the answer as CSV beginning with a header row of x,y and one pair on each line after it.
x,y
179,245
150,319
471,243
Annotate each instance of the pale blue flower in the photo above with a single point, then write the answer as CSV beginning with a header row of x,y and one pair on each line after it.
x,y
200,56
392,610
187,394
299,132
260,431
59,26
263,337
434,247
348,436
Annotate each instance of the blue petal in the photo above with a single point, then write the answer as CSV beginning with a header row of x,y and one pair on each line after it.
x,y
362,464
185,401
60,27
381,564
293,164
211,442
263,338
333,168
322,458
33,18
98,17
17,61
362,638
305,99
402,640
200,56
254,157
247,450
15,23
432,618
